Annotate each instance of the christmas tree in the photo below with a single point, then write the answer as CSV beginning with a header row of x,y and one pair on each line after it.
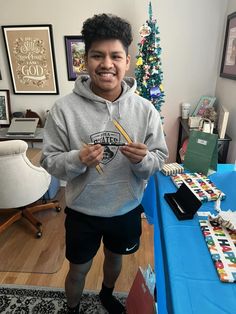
x,y
148,71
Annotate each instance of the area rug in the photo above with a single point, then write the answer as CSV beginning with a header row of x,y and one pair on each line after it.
x,y
42,300
21,251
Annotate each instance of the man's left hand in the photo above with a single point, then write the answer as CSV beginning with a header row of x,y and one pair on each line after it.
x,y
135,152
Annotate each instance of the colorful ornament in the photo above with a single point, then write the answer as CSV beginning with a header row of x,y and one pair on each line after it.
x,y
145,30
143,41
139,61
146,67
155,71
155,92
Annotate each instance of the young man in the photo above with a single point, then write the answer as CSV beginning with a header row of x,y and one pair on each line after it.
x,y
105,181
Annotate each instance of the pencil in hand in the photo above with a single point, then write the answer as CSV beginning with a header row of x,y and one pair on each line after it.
x,y
109,144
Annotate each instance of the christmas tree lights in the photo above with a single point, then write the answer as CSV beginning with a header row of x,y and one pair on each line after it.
x,y
148,70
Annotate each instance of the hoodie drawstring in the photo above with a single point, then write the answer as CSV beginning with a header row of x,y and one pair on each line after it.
x,y
110,112
119,115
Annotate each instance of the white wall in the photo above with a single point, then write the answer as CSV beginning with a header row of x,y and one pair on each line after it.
x,y
226,95
191,34
191,37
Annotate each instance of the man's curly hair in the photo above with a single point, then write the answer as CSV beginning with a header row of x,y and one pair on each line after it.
x,y
106,26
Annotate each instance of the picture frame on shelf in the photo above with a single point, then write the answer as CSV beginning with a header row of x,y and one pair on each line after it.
x,y
30,54
204,103
223,116
228,63
5,107
75,50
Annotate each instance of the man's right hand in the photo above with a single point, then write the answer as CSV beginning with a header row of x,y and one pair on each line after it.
x,y
91,155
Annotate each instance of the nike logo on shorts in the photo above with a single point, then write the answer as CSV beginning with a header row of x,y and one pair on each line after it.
x,y
131,248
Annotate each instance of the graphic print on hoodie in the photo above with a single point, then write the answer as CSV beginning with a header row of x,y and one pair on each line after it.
x,y
107,137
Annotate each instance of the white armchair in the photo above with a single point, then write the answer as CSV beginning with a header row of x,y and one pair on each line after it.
x,y
21,185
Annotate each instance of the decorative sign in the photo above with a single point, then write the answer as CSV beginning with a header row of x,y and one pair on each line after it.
x,y
31,59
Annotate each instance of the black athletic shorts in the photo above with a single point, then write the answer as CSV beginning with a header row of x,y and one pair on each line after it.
x,y
120,234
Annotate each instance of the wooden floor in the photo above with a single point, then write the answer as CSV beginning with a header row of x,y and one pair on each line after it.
x,y
142,258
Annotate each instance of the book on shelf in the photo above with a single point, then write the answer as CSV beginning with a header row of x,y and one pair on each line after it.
x,y
223,116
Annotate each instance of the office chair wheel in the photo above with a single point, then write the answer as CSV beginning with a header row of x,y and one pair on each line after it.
x,y
39,234
58,209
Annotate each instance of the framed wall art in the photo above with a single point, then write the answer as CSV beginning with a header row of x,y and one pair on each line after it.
x,y
204,103
31,59
5,107
75,56
228,64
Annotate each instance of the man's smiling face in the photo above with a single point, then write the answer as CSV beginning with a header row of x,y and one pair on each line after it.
x,y
107,63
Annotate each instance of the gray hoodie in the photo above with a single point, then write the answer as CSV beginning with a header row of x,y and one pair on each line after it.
x,y
82,117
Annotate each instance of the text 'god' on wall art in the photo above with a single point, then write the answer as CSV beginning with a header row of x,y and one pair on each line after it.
x,y
31,58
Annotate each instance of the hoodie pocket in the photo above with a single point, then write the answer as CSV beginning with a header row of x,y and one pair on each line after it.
x,y
106,196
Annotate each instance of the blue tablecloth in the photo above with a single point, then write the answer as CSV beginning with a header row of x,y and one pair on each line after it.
x,y
187,282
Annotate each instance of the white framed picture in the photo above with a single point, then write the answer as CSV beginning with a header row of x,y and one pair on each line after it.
x,y
223,116
204,103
